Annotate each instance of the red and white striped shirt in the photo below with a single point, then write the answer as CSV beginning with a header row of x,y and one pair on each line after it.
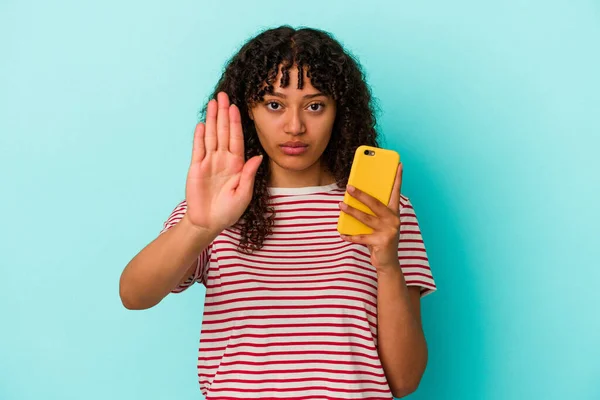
x,y
297,318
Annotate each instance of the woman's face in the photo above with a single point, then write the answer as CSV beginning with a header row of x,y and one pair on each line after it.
x,y
294,126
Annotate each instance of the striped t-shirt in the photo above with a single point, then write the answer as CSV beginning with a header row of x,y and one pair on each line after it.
x,y
297,318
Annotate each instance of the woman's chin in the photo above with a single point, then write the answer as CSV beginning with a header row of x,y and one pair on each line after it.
x,y
296,164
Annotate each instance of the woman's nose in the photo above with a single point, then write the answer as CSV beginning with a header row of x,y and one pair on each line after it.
x,y
294,124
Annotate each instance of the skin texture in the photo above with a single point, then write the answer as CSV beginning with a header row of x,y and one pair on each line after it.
x,y
300,115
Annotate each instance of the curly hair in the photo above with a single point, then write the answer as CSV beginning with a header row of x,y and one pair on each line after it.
x,y
251,73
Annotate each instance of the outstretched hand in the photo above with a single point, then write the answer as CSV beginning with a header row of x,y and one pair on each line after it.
x,y
219,183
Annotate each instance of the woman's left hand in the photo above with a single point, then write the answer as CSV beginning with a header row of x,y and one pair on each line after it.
x,y
383,242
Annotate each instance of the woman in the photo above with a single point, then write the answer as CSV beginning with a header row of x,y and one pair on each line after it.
x,y
292,308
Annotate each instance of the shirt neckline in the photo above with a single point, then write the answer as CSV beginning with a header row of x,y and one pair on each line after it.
x,y
302,190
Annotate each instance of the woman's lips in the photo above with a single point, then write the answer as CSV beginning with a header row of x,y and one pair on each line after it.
x,y
293,150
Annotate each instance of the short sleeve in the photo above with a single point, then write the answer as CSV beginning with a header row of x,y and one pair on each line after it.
x,y
201,271
411,250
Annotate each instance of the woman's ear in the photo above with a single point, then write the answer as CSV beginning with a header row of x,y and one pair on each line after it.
x,y
250,114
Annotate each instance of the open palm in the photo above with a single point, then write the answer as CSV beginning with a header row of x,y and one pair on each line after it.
x,y
220,183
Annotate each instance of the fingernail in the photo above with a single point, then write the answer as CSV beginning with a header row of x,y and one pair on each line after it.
x,y
350,188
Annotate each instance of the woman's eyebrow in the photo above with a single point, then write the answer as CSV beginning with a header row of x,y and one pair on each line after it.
x,y
307,96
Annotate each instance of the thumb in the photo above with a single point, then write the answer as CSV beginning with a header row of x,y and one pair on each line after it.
x,y
248,176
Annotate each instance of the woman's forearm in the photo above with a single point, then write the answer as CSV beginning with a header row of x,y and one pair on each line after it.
x,y
162,265
401,343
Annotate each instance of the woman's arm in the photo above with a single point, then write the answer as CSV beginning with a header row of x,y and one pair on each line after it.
x,y
164,263
400,340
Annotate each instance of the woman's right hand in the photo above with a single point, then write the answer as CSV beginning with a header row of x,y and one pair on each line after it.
x,y
219,184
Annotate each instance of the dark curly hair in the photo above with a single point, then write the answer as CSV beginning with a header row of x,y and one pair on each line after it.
x,y
251,73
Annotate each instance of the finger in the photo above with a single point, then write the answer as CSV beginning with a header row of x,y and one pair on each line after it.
x,y
246,186
236,138
223,121
374,204
368,240
210,136
367,219
394,203
198,150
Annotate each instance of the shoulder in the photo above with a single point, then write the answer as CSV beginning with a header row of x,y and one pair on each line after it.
x,y
405,203
175,216
179,210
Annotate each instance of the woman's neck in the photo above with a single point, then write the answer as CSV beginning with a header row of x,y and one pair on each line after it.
x,y
313,176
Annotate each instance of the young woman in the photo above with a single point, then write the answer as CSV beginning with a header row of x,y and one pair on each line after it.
x,y
292,309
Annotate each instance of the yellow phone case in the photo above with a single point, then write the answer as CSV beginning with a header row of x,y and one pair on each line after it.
x,y
373,171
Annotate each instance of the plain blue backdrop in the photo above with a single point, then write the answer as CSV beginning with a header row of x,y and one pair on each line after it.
x,y
494,107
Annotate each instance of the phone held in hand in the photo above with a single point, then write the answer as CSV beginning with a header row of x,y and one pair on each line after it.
x,y
374,172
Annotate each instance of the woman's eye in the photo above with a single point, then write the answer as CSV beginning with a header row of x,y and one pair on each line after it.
x,y
315,106
274,106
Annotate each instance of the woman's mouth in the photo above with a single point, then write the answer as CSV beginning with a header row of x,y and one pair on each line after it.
x,y
293,148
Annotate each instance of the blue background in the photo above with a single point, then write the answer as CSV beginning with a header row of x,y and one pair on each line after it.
x,y
494,108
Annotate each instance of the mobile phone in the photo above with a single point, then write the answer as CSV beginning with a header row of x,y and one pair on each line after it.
x,y
373,171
